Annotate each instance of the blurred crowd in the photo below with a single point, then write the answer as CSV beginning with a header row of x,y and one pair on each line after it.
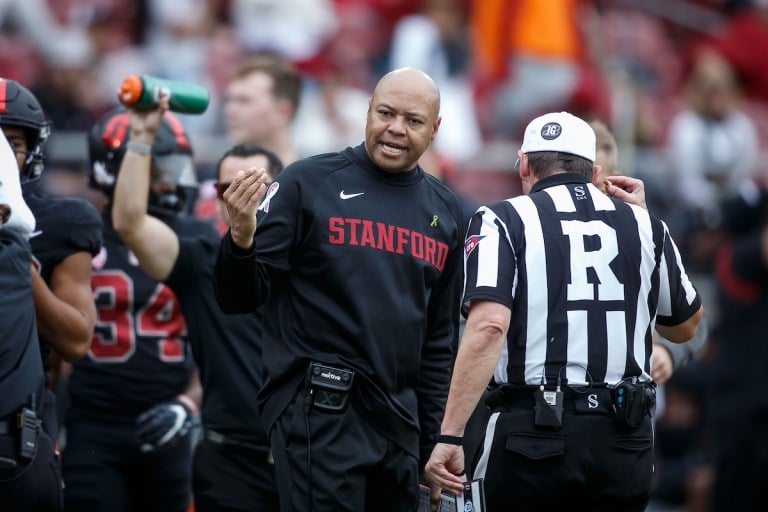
x,y
688,120
683,85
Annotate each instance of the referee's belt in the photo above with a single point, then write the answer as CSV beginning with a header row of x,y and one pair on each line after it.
x,y
221,439
586,400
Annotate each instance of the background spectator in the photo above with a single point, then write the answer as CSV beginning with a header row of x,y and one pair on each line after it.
x,y
712,146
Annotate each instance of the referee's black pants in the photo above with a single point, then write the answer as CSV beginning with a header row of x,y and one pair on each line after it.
x,y
336,461
589,464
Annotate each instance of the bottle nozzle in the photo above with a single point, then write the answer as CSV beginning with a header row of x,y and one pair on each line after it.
x,y
130,90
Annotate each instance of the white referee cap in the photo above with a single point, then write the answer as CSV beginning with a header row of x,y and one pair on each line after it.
x,y
560,131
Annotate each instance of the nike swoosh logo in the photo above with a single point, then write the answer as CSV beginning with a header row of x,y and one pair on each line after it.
x,y
35,233
349,196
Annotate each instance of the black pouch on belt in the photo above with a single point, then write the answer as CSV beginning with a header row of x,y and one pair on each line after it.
x,y
548,409
632,401
29,426
329,386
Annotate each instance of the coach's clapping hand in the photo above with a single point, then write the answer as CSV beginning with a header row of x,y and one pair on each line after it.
x,y
242,198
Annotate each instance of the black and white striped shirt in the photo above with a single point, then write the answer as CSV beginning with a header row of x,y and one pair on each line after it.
x,y
586,278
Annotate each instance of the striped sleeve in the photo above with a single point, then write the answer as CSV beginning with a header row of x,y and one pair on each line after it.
x,y
678,298
490,266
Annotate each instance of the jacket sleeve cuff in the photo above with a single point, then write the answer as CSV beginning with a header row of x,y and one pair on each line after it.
x,y
236,250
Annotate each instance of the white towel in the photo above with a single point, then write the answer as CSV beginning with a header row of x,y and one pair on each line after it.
x,y
21,220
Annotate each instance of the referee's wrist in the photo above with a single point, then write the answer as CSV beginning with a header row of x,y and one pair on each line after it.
x,y
446,439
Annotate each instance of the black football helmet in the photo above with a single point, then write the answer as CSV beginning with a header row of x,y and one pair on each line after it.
x,y
173,171
20,108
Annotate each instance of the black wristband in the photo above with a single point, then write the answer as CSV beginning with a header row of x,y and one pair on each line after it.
x,y
440,438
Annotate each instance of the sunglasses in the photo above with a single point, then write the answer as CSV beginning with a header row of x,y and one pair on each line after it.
x,y
221,187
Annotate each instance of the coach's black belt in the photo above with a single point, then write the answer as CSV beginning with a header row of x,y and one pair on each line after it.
x,y
588,400
221,439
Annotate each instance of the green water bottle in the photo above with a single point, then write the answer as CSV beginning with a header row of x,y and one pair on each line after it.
x,y
143,91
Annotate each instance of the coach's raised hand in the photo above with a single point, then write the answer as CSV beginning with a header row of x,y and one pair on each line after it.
x,y
242,198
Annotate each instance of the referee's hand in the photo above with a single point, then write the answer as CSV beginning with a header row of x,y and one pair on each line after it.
x,y
445,470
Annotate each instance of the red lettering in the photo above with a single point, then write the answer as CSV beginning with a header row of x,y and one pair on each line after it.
x,y
402,239
429,250
366,235
442,255
417,245
336,227
386,237
353,224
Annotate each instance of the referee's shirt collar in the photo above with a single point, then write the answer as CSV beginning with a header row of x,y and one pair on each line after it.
x,y
560,178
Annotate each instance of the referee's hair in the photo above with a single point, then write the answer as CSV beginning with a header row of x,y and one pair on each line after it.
x,y
275,165
544,163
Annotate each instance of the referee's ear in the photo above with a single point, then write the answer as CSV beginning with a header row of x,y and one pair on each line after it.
x,y
596,168
526,176
522,164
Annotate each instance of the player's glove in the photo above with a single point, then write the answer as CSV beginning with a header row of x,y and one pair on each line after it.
x,y
164,424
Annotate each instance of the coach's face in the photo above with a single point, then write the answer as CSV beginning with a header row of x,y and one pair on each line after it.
x,y
402,120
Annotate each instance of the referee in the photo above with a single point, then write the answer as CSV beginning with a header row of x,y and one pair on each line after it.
x,y
563,288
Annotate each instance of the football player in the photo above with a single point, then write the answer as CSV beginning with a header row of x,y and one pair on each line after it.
x,y
67,235
233,468
29,468
135,395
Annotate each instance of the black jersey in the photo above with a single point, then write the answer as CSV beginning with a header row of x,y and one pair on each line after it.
x,y
363,270
226,348
63,226
138,356
586,277
21,373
